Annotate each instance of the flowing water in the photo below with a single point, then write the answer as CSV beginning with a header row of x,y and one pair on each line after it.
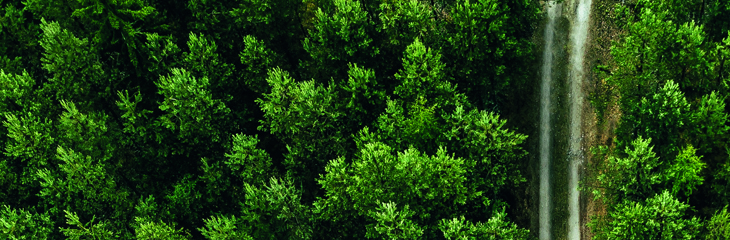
x,y
579,34
553,11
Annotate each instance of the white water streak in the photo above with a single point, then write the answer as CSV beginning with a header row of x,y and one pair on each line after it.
x,y
579,34
553,11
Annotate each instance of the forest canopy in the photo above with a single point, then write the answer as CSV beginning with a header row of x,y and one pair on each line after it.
x,y
347,119
666,173
255,119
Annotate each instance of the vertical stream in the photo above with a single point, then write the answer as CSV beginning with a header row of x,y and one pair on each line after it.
x,y
578,36
553,10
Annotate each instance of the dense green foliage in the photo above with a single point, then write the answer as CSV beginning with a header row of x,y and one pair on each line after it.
x,y
667,174
256,119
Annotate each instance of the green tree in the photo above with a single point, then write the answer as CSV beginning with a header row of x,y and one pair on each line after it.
x,y
223,228
110,24
278,23
709,121
148,225
720,183
78,230
29,148
339,38
223,181
397,25
19,39
75,66
683,175
221,119
275,211
638,174
257,59
306,117
393,224
662,117
190,109
670,77
432,187
423,77
203,61
659,217
656,50
487,44
153,230
495,228
20,224
718,227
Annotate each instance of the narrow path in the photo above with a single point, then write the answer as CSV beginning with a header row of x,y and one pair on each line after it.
x,y
553,11
579,34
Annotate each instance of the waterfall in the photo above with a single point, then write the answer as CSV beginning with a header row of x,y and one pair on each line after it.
x,y
553,69
578,33
553,10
